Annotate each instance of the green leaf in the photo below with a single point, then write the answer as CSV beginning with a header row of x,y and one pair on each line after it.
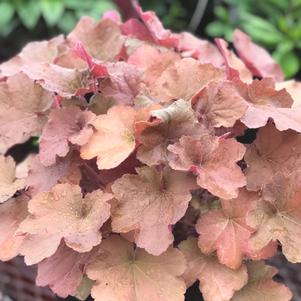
x,y
280,4
78,5
261,30
295,32
296,3
84,289
289,62
6,30
52,11
97,9
222,13
29,12
67,22
282,24
6,13
217,29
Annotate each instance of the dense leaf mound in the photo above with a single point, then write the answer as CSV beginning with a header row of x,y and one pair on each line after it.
x,y
146,179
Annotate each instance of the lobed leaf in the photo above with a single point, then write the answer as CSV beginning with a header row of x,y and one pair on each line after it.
x,y
9,183
149,203
63,213
217,281
261,285
206,157
124,273
226,231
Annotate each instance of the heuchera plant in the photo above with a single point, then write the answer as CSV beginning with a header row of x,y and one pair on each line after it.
x,y
146,180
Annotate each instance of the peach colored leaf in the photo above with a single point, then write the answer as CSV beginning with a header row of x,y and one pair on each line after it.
x,y
213,160
113,140
9,183
103,40
23,108
36,247
66,125
202,50
169,125
225,230
183,79
293,87
278,215
124,273
219,104
263,93
257,59
234,66
261,286
12,213
271,152
152,61
149,203
63,81
33,54
64,213
217,281
265,103
64,270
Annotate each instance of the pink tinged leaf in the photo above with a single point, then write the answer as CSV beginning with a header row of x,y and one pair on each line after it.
x,y
183,79
103,40
33,54
123,84
9,183
159,34
208,157
217,281
63,213
64,270
265,103
134,28
234,66
23,110
12,213
150,202
270,153
152,61
139,276
37,247
63,81
113,140
113,15
261,286
41,178
202,50
257,59
293,87
65,126
219,104
225,230
96,69
277,216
